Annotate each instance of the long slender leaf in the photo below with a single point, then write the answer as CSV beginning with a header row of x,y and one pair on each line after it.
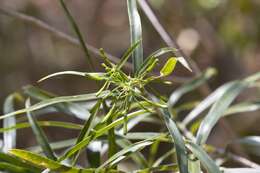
x,y
17,161
71,126
73,109
243,107
178,142
52,101
100,132
125,152
190,86
94,76
39,134
9,137
206,161
221,105
47,163
206,103
136,33
9,167
78,33
251,144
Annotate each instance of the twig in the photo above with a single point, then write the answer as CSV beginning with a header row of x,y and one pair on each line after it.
x,y
165,36
72,40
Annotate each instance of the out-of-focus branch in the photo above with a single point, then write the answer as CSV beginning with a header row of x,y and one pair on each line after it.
x,y
164,34
70,39
55,32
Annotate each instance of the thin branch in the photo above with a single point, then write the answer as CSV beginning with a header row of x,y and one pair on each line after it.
x,y
55,32
164,35
72,40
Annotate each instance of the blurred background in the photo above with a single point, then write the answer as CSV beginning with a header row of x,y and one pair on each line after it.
x,y
224,34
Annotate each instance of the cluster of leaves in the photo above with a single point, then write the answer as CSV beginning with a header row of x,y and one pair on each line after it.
x,y
115,109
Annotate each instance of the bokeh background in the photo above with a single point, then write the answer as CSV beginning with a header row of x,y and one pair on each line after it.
x,y
224,34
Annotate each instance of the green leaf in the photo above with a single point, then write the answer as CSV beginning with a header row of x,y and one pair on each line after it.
x,y
250,143
125,153
194,164
99,132
78,33
39,134
162,168
171,63
168,67
17,162
221,105
135,32
190,86
178,142
66,125
206,161
9,167
243,107
94,76
137,157
52,101
49,164
206,103
217,110
9,137
127,54
88,125
73,109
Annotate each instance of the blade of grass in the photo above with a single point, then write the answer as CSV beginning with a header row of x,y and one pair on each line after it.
x,y
39,134
135,33
78,33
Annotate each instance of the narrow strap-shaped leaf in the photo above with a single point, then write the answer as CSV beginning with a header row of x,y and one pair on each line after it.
x,y
127,54
45,163
17,161
9,167
78,33
9,137
39,134
52,101
178,141
94,76
135,33
243,107
217,110
66,125
73,109
207,102
250,144
88,124
206,161
99,132
190,86
125,153
137,157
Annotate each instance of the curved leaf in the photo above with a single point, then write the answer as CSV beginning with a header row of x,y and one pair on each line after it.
x,y
52,101
206,161
136,33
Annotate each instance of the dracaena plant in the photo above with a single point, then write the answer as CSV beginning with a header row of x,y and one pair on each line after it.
x,y
123,100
